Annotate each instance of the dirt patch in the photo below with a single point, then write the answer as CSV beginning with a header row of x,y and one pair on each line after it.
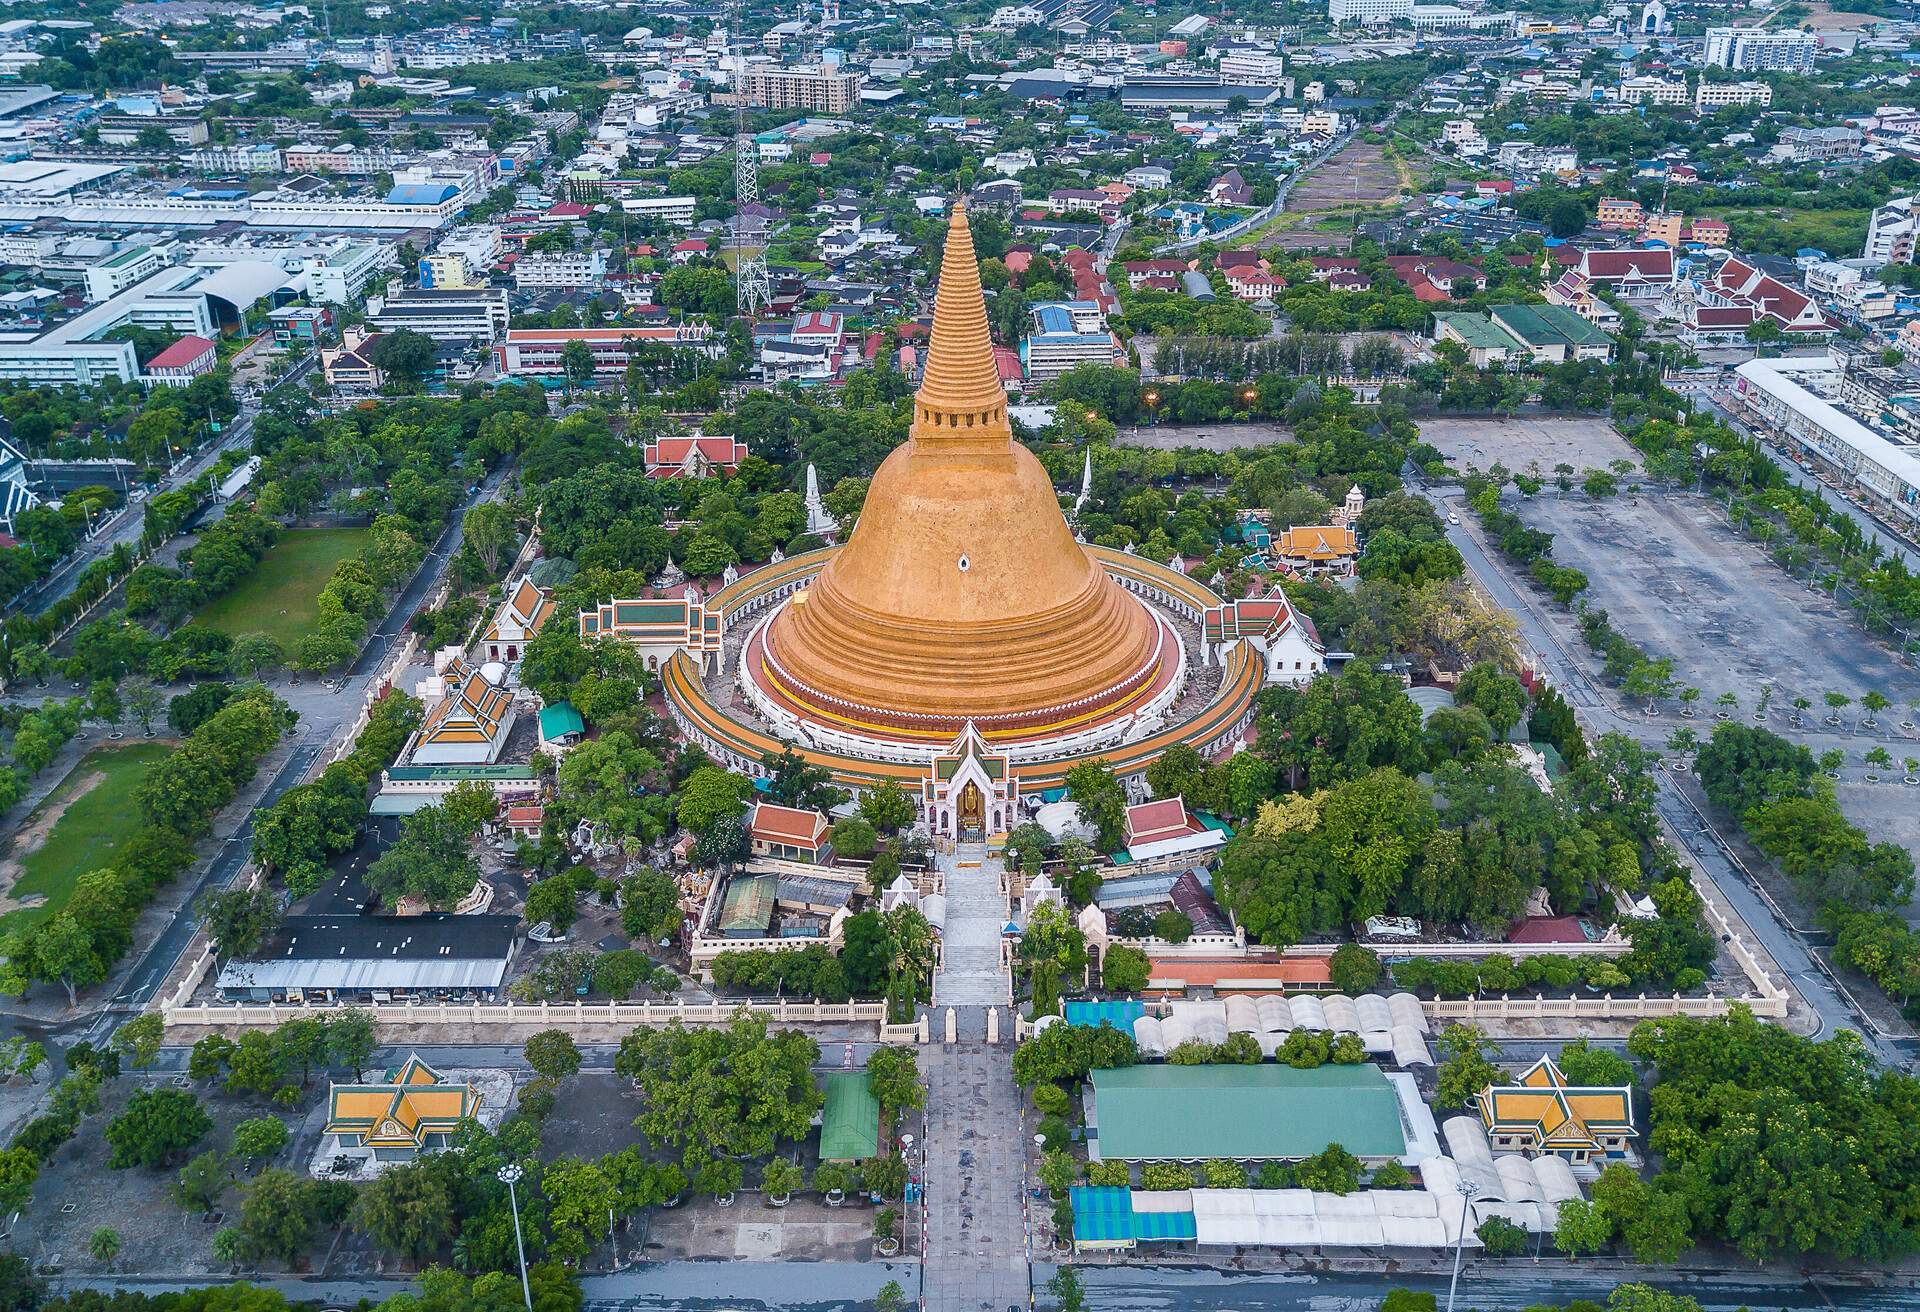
x,y
1359,174
33,835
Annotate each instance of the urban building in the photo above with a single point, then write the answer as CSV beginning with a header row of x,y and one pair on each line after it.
x,y
339,276
478,314
182,362
1368,11
1710,96
1756,50
1890,232
1062,338
539,352
824,90
113,275
565,270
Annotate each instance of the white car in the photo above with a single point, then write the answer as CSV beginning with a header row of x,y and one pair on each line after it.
x,y
1452,518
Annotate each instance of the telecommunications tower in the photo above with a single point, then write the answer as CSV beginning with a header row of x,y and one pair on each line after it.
x,y
753,286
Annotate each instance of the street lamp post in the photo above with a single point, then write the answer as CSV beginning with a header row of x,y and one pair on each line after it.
x,y
1467,1190
512,1172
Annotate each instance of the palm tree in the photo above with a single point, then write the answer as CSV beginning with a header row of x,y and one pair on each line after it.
x,y
909,948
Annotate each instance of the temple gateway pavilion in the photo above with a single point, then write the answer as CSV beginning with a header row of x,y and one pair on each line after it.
x,y
962,642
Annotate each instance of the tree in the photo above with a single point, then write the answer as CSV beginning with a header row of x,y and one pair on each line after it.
x,y
553,1055
405,356
158,1125
19,1168
238,920
1589,1066
1583,1228
551,900
650,905
887,808
411,1210
891,1297
580,1197
144,702
1465,1070
1500,1237
732,1092
202,1182
1102,802
711,795
139,1039
277,1215
576,363
1354,968
489,528
260,1136
893,1076
350,1039
430,861
1125,969
1332,1170
1498,695
104,1244
1066,1288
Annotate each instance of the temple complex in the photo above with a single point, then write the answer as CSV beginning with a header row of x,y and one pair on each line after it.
x,y
961,642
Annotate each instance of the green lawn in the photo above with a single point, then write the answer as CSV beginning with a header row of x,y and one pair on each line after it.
x,y
281,598
90,814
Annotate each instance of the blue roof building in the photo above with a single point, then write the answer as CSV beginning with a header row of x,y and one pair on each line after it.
x,y
422,193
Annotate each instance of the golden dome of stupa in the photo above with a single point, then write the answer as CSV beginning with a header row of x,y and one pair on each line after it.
x,y
961,594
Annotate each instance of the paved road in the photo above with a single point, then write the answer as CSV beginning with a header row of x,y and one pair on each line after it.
x,y
1787,947
315,736
126,526
842,1286
1876,529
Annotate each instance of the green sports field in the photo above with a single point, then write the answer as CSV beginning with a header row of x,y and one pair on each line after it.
x,y
77,829
281,598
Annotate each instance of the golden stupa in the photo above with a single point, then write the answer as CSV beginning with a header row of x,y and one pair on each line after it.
x,y
961,594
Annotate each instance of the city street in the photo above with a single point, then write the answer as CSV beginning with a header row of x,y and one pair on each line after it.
x,y
1824,994
124,527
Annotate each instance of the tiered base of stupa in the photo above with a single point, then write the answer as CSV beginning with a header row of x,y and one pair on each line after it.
x,y
742,713
1116,711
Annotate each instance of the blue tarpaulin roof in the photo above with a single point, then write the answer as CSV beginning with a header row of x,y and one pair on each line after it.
x,y
1105,1215
1120,1015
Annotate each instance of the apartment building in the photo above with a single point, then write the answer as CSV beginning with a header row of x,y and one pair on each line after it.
x,y
1623,215
342,274
1709,96
823,90
1754,50
1890,232
676,211
538,351
114,275
565,270
477,314
1652,91
1368,11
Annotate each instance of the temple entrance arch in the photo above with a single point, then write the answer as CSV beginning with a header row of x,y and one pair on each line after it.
x,y
970,790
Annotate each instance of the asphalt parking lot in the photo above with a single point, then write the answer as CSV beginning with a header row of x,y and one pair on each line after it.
x,y
1585,442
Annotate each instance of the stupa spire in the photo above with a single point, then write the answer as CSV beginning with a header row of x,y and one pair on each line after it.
x,y
960,402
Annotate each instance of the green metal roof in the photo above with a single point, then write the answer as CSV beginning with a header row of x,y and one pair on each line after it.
x,y
1478,332
1249,1113
559,720
749,905
1546,325
849,1119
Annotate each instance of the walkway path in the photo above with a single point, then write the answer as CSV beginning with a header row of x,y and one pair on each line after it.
x,y
976,1253
970,974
